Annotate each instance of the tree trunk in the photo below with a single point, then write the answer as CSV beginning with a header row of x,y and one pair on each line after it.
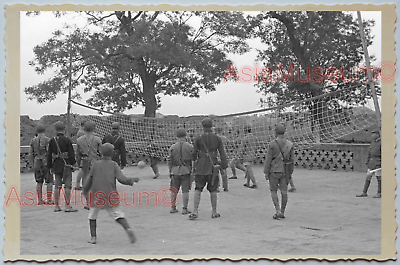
x,y
149,95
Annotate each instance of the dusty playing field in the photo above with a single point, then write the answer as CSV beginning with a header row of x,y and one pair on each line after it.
x,y
323,217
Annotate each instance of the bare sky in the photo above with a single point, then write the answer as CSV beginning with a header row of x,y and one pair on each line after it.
x,y
229,98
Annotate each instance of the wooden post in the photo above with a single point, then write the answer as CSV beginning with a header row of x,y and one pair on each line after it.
x,y
370,83
68,131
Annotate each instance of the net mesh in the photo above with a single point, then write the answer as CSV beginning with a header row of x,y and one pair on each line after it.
x,y
325,119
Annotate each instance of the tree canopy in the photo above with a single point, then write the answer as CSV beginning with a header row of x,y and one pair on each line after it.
x,y
130,58
305,49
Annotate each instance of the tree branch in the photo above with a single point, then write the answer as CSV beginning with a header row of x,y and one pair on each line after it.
x,y
298,50
96,18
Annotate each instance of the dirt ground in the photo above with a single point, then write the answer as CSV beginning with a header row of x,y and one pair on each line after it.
x,y
323,217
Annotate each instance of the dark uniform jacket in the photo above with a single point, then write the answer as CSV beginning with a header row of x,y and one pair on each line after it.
x,y
203,164
274,160
67,153
119,154
374,155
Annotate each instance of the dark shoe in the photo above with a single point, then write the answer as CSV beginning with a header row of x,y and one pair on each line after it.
x,y
49,202
225,189
131,235
276,216
215,215
173,210
57,209
193,216
86,208
155,177
92,240
281,215
233,177
246,185
70,210
362,195
292,189
253,186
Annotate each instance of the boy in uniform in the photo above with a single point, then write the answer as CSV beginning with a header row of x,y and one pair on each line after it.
x,y
119,153
60,159
206,147
38,158
235,162
88,150
247,153
180,167
224,174
101,182
274,169
80,172
374,164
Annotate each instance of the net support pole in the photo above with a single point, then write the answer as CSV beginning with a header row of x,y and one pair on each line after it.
x,y
369,74
68,131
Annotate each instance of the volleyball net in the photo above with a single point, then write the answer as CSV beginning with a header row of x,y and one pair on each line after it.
x,y
323,119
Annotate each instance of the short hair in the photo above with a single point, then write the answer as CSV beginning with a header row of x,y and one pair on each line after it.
x,y
59,126
115,125
40,128
181,132
106,149
207,123
89,126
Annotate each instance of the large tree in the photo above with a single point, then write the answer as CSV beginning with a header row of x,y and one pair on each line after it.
x,y
131,58
309,54
309,41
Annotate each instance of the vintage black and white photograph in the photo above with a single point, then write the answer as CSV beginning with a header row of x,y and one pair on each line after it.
x,y
204,133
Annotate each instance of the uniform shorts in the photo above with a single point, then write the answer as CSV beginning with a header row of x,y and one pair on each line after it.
x,y
86,165
43,176
113,212
64,178
181,180
277,181
203,180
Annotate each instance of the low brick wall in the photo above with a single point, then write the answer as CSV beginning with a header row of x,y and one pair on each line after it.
x,y
345,157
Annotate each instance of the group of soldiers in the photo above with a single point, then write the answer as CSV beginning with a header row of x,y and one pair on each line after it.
x,y
205,159
56,156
